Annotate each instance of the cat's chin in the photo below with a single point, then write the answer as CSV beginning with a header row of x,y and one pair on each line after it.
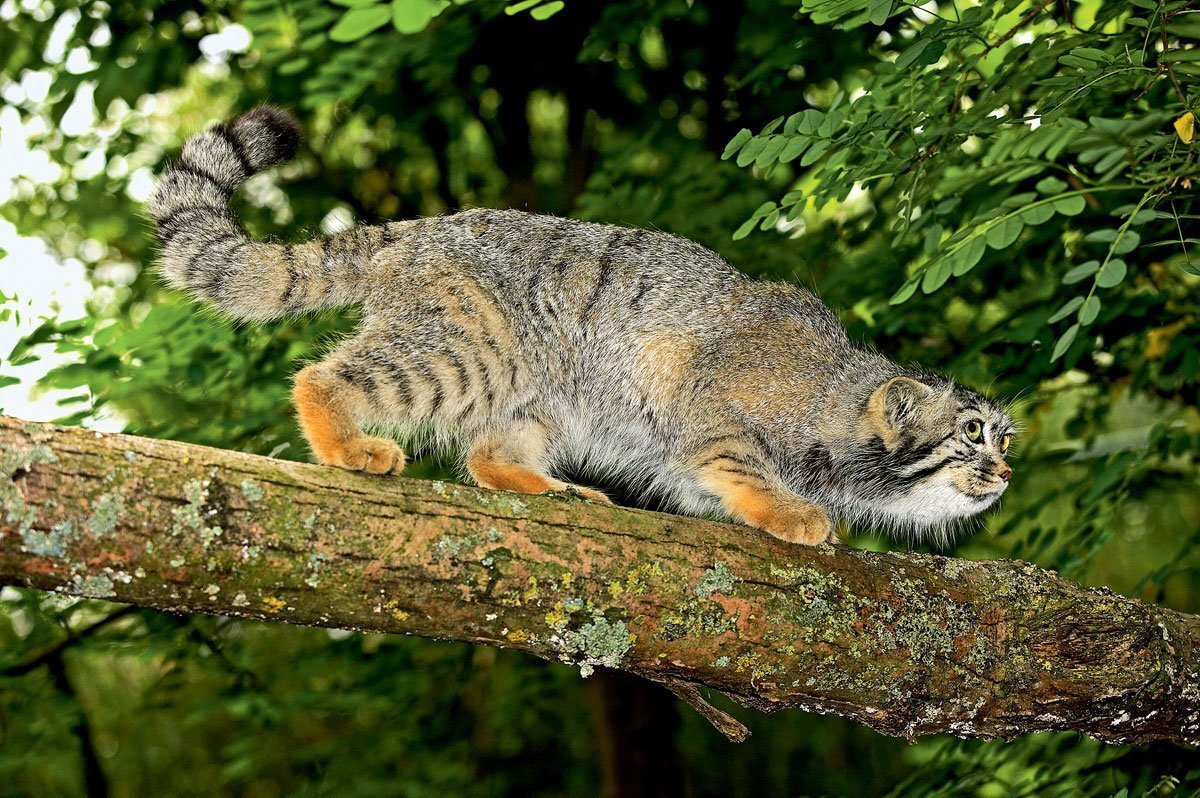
x,y
939,504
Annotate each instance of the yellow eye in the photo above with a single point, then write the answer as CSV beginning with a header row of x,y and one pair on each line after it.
x,y
1005,440
974,431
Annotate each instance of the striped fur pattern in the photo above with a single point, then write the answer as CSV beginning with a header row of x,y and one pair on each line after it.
x,y
538,346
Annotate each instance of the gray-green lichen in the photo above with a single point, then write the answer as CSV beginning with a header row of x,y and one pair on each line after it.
x,y
718,579
454,546
695,617
517,506
251,491
97,586
190,517
599,642
106,514
48,544
313,569
12,461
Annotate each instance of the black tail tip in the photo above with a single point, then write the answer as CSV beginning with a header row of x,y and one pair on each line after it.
x,y
268,135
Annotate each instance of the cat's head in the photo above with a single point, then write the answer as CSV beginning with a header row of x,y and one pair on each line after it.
x,y
943,451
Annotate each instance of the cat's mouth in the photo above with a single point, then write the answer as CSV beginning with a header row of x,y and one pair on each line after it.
x,y
989,492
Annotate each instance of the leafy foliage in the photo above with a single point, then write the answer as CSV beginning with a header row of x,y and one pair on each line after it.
x,y
1004,191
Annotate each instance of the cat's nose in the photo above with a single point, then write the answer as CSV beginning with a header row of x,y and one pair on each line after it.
x,y
1005,474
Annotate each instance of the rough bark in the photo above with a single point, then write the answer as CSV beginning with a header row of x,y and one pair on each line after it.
x,y
907,644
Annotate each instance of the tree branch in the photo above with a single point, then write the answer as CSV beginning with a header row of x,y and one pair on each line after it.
x,y
907,644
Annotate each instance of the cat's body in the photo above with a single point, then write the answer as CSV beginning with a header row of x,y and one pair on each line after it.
x,y
542,345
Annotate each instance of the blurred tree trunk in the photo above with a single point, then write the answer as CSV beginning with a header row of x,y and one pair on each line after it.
x,y
904,643
635,725
95,782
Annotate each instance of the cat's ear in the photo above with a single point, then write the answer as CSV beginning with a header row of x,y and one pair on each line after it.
x,y
895,405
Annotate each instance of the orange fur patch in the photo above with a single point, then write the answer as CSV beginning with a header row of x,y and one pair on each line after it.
x,y
788,518
508,476
326,424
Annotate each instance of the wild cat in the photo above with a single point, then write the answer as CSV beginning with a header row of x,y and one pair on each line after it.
x,y
539,345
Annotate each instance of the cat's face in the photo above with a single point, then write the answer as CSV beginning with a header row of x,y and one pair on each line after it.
x,y
947,449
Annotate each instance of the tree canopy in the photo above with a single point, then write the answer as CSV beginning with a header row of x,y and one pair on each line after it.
x,y
1001,191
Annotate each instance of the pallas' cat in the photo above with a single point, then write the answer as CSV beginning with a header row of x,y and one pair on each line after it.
x,y
539,346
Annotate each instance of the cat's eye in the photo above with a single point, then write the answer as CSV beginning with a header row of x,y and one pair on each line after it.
x,y
974,431
1005,440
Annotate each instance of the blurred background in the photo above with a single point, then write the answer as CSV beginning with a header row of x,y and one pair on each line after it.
x,y
1001,191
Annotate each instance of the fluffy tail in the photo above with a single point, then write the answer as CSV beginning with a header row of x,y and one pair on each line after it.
x,y
206,251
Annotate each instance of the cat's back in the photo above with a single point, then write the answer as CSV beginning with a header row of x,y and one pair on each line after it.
x,y
566,270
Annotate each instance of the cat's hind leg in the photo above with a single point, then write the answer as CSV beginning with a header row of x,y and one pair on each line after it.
x,y
514,459
327,394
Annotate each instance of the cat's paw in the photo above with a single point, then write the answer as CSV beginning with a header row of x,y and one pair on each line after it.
x,y
591,494
807,525
373,455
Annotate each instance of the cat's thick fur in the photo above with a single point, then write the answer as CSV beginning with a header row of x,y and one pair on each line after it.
x,y
541,345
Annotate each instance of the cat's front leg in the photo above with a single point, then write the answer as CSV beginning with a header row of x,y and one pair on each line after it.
x,y
737,474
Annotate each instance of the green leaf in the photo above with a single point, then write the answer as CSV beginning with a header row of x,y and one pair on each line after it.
x,y
810,120
770,152
354,3
1064,342
815,151
1090,310
293,66
1036,214
1066,310
749,152
906,58
545,12
905,293
24,360
1190,266
968,255
1051,185
933,237
763,210
736,143
830,124
518,7
932,53
879,10
414,16
1081,272
1111,274
745,230
1092,54
1126,243
1188,30
1070,206
1005,233
1179,56
7,381
793,148
358,22
935,276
